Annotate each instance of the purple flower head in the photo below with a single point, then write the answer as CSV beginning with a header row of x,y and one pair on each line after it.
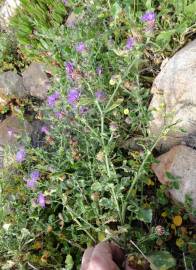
x,y
65,2
148,16
32,181
53,98
31,184
113,126
99,71
69,67
44,130
20,155
35,175
73,96
130,43
59,115
80,47
41,200
83,110
100,95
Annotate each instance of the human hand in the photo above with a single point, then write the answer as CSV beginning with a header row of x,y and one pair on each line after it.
x,y
104,256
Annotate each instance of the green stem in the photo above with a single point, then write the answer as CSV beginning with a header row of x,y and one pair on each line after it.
x,y
117,204
109,6
102,116
103,140
140,251
118,85
137,176
73,214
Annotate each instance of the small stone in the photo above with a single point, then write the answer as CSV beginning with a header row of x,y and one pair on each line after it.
x,y
36,80
180,162
11,86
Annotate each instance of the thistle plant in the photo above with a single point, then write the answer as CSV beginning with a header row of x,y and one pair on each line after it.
x,y
83,185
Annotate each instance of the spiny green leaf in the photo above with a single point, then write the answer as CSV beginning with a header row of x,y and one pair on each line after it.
x,y
162,260
145,215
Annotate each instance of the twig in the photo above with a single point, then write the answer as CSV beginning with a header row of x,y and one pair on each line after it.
x,y
33,267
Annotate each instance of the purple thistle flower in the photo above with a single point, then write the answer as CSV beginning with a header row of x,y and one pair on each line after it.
x,y
53,98
69,67
130,43
83,110
31,184
100,95
73,96
148,16
20,155
35,175
41,200
59,115
65,2
113,126
99,71
32,181
44,130
80,47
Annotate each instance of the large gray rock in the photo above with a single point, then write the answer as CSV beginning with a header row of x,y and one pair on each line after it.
x,y
11,86
7,10
11,129
174,97
36,80
180,162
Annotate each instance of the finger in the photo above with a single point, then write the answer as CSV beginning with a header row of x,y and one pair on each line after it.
x,y
101,258
117,254
86,258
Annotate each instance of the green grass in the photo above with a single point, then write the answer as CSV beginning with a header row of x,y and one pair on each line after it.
x,y
95,188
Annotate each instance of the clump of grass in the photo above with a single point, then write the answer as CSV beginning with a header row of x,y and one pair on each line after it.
x,y
83,185
10,57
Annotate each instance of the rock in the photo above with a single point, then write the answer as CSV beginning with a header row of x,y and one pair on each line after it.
x,y
11,129
37,136
36,80
174,97
180,162
7,10
11,86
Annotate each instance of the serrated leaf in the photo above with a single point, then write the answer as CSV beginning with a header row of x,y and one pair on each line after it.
x,y
116,9
162,260
190,9
106,203
145,215
96,186
69,263
164,37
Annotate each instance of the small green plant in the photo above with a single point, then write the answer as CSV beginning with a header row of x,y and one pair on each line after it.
x,y
35,17
10,56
